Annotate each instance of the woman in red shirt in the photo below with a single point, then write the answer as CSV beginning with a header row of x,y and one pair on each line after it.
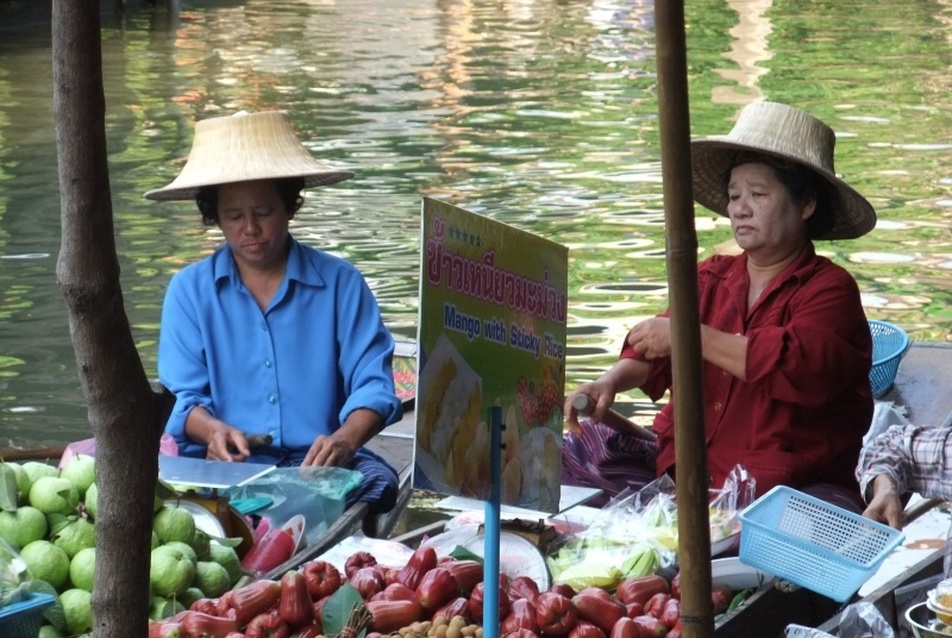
x,y
785,343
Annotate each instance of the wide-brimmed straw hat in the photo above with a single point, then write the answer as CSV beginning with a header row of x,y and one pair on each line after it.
x,y
790,134
246,147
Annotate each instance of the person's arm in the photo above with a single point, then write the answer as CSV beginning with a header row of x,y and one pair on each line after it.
x,y
366,358
626,374
901,460
651,339
181,365
725,350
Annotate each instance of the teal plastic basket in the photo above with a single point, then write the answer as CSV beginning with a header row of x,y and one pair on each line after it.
x,y
890,343
812,543
24,619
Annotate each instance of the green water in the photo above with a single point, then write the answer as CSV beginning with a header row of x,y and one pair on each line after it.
x,y
541,114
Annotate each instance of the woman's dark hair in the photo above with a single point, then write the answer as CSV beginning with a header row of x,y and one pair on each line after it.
x,y
803,185
289,190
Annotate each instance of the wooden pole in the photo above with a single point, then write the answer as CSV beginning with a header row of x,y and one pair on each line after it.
x,y
694,535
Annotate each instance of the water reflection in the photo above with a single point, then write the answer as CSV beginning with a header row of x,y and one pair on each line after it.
x,y
539,113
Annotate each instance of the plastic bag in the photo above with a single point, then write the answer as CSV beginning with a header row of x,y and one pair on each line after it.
x,y
636,533
317,493
799,631
859,620
16,584
864,620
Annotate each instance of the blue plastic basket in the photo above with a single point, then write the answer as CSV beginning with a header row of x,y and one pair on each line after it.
x,y
806,541
890,343
24,619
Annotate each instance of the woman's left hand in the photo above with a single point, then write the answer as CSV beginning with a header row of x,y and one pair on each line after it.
x,y
651,338
330,451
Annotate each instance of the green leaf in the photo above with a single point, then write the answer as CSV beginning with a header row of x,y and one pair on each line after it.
x,y
57,523
739,599
8,489
54,614
231,541
338,607
461,553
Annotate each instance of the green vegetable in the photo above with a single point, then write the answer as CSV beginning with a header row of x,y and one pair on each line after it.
x,y
739,599
643,563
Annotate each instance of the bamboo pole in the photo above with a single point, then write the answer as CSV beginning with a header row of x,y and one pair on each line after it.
x,y
694,536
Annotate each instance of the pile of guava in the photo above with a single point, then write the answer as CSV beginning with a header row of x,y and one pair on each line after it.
x,y
47,524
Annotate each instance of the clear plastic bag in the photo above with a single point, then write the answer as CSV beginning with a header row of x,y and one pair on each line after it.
x,y
317,493
16,584
859,620
636,533
799,631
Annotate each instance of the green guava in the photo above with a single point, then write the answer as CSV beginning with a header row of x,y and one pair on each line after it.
x,y
228,558
211,578
81,472
200,543
78,610
24,526
46,561
49,631
171,572
33,470
164,608
186,549
91,500
78,534
31,525
53,494
190,596
174,523
82,568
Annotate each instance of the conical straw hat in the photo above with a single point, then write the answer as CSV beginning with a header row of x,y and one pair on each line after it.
x,y
245,147
788,133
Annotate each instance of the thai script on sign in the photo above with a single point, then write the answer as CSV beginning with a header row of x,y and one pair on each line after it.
x,y
483,280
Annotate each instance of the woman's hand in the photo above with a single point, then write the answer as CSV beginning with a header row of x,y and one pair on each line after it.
x,y
329,451
885,505
601,396
338,448
226,443
651,338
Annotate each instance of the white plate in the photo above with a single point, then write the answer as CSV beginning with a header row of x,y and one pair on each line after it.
x,y
736,575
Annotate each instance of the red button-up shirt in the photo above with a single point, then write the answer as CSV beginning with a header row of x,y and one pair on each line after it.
x,y
801,415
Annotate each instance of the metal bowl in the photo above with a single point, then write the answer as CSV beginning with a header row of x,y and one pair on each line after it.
x,y
924,623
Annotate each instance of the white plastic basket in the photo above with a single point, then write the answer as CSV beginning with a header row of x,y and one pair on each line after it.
x,y
812,543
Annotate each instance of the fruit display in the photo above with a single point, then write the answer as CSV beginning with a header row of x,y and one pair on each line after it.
x,y
200,588
429,597
47,516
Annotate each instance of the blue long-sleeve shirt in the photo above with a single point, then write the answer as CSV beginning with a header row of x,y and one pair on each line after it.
x,y
318,352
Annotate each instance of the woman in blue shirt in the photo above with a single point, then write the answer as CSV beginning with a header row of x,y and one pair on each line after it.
x,y
268,336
